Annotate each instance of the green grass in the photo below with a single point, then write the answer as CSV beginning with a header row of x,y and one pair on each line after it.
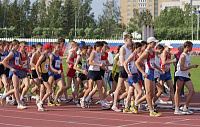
x,y
195,73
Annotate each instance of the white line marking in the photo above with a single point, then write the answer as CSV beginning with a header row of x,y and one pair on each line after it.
x,y
16,125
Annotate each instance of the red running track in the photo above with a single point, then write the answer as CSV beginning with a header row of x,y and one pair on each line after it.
x,y
69,115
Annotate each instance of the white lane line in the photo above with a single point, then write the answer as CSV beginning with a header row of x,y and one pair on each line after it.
x,y
15,125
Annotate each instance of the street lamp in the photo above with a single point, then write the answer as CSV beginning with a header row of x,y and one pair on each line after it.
x,y
198,12
192,19
6,31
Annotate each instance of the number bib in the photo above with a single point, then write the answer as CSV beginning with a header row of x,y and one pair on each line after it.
x,y
2,58
152,61
84,66
16,60
46,67
57,63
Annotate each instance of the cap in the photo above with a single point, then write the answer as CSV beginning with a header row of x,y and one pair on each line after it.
x,y
81,44
169,45
48,45
151,39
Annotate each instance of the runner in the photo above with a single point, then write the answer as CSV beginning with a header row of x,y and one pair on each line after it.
x,y
125,52
42,68
149,60
183,77
55,73
14,65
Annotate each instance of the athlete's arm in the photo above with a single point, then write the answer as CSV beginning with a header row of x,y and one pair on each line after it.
x,y
130,58
182,64
33,59
41,58
69,57
6,60
163,59
139,61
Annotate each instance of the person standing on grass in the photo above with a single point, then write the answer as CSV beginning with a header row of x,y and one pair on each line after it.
x,y
183,77
177,57
125,52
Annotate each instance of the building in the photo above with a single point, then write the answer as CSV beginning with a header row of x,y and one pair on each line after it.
x,y
154,6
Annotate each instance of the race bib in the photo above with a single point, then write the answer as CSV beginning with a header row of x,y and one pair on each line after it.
x,y
84,66
189,64
2,58
57,64
152,61
46,67
17,61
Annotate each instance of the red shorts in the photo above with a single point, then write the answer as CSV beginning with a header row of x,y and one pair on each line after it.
x,y
70,72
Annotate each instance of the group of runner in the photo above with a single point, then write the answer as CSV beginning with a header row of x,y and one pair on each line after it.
x,y
136,65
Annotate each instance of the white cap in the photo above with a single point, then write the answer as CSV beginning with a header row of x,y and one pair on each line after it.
x,y
169,45
151,39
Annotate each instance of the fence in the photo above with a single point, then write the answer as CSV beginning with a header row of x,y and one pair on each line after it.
x,y
113,44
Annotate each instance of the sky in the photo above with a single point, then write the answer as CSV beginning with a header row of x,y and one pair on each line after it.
x,y
97,6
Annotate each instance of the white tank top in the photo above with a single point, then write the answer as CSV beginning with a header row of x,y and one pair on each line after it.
x,y
97,59
156,71
128,53
132,67
187,63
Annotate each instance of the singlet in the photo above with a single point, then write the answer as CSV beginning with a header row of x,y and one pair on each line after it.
x,y
56,62
149,62
104,58
35,61
24,59
187,63
2,57
115,66
132,67
157,62
73,60
14,62
44,66
61,56
97,59
167,58
83,64
128,53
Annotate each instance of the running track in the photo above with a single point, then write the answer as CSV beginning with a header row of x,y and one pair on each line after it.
x,y
70,116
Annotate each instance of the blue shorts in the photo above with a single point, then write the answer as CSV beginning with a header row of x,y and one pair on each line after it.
x,y
140,76
165,77
16,73
133,80
150,74
56,77
183,78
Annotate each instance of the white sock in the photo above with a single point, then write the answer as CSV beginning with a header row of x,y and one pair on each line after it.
x,y
87,98
136,104
105,100
184,106
21,98
176,109
41,102
7,99
4,95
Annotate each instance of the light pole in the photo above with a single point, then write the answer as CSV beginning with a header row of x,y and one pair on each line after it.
x,y
198,12
192,19
75,24
6,31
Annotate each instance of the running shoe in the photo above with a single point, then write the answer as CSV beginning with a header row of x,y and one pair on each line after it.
x,y
10,102
23,102
155,114
20,106
68,100
116,109
57,103
51,104
127,110
179,113
187,111
134,108
83,105
40,107
105,107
